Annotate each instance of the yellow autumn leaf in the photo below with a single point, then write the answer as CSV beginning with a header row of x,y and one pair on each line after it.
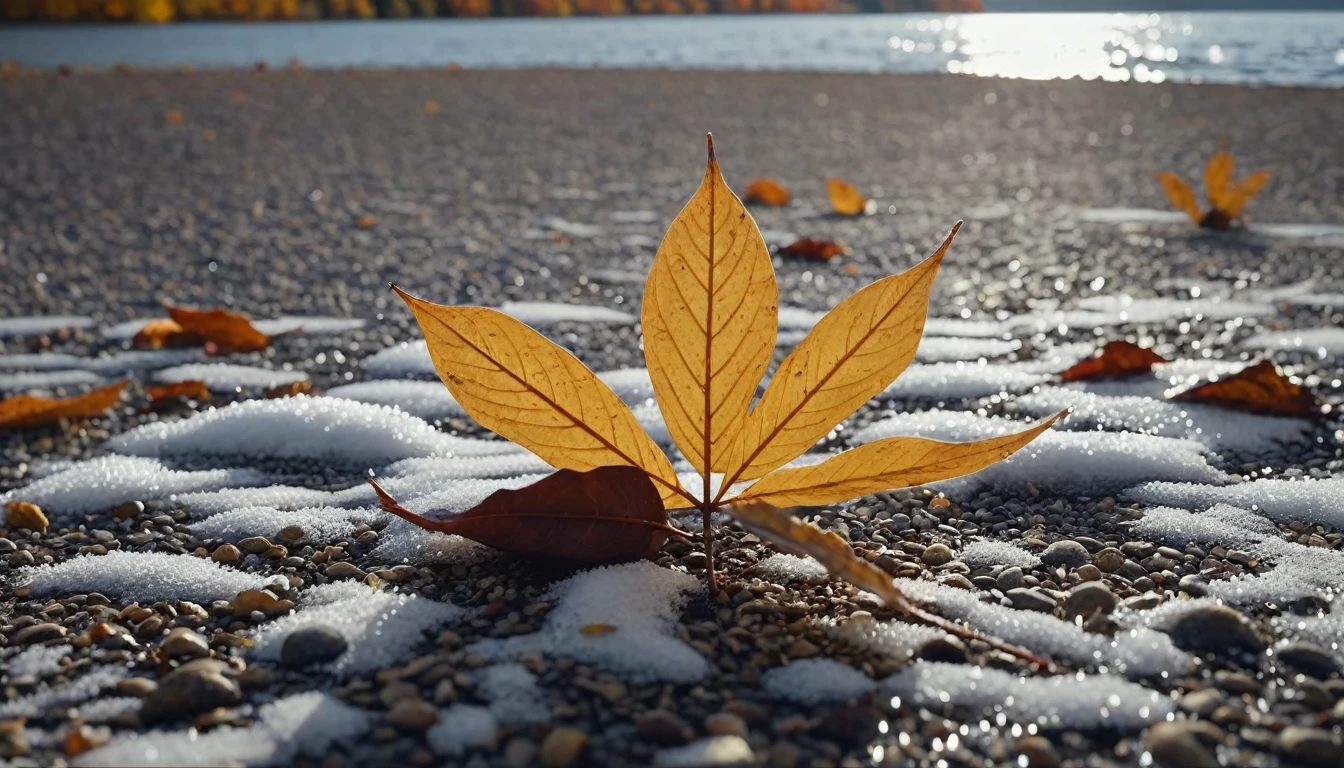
x,y
845,199
520,384
852,354
1181,194
709,318
1218,179
789,533
1243,192
882,465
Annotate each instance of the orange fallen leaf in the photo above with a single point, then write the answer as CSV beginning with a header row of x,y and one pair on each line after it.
x,y
174,117
810,248
80,739
766,192
1259,388
1118,360
366,222
25,514
28,411
431,107
596,630
845,199
230,331
608,514
851,269
162,332
293,389
193,389
1227,197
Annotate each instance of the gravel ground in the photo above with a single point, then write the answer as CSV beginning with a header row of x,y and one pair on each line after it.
x,y
247,189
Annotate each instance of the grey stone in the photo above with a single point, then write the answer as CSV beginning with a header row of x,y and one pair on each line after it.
x,y
1069,554
317,644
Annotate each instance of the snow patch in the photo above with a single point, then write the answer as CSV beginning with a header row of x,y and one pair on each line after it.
x,y
381,627
714,750
37,661
311,326
407,359
1086,462
39,324
1306,499
1322,342
77,691
935,349
141,576
22,382
429,400
462,727
785,568
320,525
221,377
103,483
543,313
513,693
641,600
949,381
303,428
985,553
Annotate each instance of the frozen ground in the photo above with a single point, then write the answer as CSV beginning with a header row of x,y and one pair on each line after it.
x,y
1156,552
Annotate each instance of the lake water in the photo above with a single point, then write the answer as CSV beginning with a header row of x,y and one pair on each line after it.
x,y
1262,48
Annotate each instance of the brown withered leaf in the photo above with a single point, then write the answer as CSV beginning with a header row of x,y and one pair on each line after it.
x,y
230,331
192,389
845,199
1259,388
604,515
792,535
813,249
766,192
28,411
293,389
1118,360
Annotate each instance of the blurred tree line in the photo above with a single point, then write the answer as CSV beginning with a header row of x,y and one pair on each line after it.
x,y
164,11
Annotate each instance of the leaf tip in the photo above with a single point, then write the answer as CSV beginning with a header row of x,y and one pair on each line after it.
x,y
709,141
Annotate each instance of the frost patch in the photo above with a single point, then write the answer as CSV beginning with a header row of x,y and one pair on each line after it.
x,y
142,576
1079,701
303,428
1217,428
462,727
949,381
407,359
207,503
639,601
985,553
320,525
543,313
21,382
224,377
1306,499
312,326
428,400
784,568
402,543
305,724
515,698
936,349
37,661
103,483
1322,342
381,627
1089,463
77,691
39,324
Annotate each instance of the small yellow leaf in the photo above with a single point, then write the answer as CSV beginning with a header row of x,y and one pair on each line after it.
x,y
1242,193
1181,194
1218,179
522,385
845,199
596,630
793,535
767,192
882,465
709,318
853,353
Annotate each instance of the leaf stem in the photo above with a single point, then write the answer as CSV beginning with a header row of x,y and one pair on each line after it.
x,y
707,512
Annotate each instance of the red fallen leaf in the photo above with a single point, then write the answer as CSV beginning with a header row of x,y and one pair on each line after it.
x,y
1118,360
1259,388
26,411
809,248
192,389
604,515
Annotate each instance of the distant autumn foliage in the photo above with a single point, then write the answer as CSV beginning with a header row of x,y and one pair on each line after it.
x,y
164,11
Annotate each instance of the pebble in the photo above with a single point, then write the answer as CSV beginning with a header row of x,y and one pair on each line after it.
x,y
195,687
226,554
725,724
1202,702
38,633
344,570
719,750
182,642
25,515
1214,629
1309,659
139,687
662,727
935,555
562,747
1177,744
254,545
1038,751
1010,578
1312,747
1069,554
315,644
1088,598
1031,600
413,715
